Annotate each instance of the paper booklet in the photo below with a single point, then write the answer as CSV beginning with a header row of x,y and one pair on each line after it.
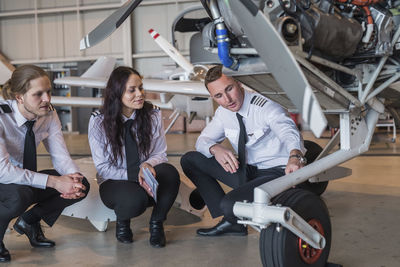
x,y
151,181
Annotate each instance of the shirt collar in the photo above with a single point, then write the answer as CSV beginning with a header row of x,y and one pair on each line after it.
x,y
244,109
132,117
19,118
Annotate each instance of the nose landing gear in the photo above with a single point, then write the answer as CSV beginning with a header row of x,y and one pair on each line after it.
x,y
281,248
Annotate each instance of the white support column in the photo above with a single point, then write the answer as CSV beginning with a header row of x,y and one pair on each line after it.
x,y
79,26
36,31
345,131
127,40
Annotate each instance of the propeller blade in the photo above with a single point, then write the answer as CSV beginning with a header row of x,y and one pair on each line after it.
x,y
171,51
280,61
109,25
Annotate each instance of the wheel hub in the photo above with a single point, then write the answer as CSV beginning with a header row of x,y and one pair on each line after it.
x,y
307,253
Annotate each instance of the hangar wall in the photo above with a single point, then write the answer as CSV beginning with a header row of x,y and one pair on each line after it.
x,y
49,31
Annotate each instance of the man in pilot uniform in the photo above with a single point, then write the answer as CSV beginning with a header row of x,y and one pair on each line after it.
x,y
265,138
26,119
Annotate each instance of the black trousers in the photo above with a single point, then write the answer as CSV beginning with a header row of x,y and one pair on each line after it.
x,y
204,173
128,199
16,198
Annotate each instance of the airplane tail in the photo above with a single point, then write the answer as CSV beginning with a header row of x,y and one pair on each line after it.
x,y
101,68
6,69
94,77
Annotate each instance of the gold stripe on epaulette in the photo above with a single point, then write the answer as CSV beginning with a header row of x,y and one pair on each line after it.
x,y
96,113
258,101
5,108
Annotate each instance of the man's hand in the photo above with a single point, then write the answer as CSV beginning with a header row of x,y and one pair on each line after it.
x,y
78,177
294,163
141,179
70,186
225,157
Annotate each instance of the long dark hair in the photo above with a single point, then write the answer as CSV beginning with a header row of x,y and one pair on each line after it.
x,y
112,111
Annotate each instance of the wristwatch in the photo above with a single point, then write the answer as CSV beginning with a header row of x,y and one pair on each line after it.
x,y
302,159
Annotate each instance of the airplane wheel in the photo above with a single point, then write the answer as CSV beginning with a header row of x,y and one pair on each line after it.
x,y
283,248
313,150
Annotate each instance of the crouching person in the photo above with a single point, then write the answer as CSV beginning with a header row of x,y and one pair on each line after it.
x,y
26,119
127,141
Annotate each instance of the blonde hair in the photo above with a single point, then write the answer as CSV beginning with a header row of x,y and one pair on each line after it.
x,y
19,83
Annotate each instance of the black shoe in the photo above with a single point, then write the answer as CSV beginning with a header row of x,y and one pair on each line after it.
x,y
4,254
123,231
34,233
157,235
223,228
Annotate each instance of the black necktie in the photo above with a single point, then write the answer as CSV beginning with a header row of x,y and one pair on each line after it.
x,y
131,151
242,148
30,148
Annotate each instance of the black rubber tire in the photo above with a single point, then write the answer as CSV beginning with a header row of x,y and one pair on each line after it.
x,y
281,249
313,150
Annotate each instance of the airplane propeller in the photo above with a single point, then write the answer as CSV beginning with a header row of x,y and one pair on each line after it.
x,y
171,51
109,25
197,72
273,50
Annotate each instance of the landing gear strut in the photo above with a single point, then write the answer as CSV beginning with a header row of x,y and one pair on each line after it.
x,y
281,248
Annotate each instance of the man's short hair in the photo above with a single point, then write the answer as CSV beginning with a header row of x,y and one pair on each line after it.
x,y
212,75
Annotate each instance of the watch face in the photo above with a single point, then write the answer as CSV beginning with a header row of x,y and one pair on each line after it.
x,y
302,159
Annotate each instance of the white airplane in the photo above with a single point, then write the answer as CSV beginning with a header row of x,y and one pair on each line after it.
x,y
336,62
188,96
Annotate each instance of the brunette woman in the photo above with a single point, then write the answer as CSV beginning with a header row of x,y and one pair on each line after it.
x,y
126,137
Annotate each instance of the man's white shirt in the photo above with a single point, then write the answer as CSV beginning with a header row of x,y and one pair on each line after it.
x,y
271,133
12,139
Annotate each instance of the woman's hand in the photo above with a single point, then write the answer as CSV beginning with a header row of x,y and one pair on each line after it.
x,y
141,180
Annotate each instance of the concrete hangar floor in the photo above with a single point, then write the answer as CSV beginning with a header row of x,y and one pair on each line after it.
x,y
364,210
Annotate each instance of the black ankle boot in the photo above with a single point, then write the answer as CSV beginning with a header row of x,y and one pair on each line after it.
x,y
123,231
157,235
4,254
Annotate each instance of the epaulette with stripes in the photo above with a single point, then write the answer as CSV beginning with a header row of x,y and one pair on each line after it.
x,y
4,108
51,107
96,113
258,100
156,107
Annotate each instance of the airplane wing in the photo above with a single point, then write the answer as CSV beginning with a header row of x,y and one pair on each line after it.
x,y
83,82
97,75
109,25
191,88
94,102
285,69
75,101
